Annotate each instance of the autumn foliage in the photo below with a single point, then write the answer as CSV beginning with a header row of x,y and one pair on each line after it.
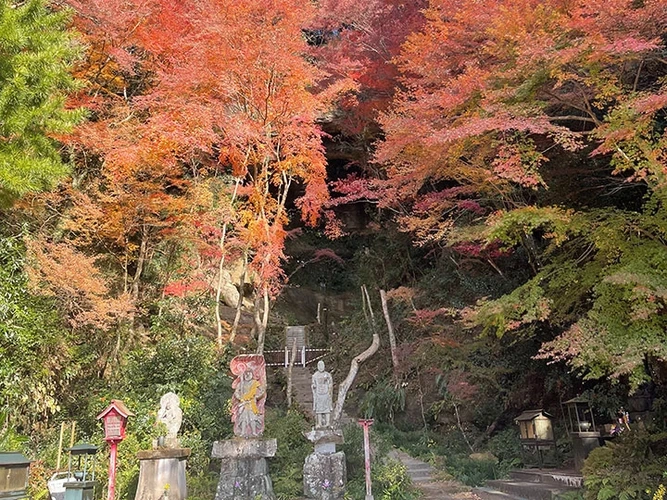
x,y
473,124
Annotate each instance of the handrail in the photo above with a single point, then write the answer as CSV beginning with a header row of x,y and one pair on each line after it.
x,y
282,357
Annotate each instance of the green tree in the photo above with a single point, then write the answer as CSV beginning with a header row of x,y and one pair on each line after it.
x,y
36,52
37,353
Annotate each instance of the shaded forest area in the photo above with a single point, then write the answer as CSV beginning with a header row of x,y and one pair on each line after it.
x,y
181,179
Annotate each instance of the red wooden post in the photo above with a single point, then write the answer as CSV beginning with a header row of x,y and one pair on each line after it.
x,y
115,419
366,424
113,450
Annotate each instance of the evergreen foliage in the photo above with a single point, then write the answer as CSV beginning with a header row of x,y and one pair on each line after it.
x,y
39,357
36,54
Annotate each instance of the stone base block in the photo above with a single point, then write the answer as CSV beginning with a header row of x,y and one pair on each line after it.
x,y
244,448
325,436
324,476
244,479
160,471
244,473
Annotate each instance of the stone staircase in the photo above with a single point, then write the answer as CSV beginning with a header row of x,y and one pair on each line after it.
x,y
419,471
532,484
301,390
425,478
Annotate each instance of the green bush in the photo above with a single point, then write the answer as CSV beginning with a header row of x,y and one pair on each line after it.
x,y
506,447
287,466
631,467
390,478
383,401
392,482
471,472
203,486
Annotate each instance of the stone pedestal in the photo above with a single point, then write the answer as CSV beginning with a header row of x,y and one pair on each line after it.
x,y
582,444
324,472
244,473
80,490
324,476
162,470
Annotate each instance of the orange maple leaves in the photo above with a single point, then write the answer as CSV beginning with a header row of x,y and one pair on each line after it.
x,y
182,92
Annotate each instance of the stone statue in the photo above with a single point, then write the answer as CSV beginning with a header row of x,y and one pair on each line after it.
x,y
322,385
249,396
171,415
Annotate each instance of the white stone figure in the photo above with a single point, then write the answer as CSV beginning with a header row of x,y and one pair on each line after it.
x,y
322,385
171,415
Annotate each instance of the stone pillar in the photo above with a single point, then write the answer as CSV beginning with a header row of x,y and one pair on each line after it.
x,y
324,472
324,476
244,474
162,474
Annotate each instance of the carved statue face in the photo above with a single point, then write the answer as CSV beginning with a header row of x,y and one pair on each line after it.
x,y
169,401
320,366
247,375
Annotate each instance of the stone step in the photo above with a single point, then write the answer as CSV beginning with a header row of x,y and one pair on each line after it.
x,y
557,477
411,462
420,478
528,489
486,493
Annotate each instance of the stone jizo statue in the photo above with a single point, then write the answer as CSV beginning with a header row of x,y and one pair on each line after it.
x,y
171,415
322,385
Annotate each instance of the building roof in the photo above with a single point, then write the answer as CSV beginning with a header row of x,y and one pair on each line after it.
x,y
531,414
13,458
82,449
119,406
578,399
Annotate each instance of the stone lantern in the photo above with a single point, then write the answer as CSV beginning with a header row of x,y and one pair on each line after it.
x,y
581,426
81,483
14,473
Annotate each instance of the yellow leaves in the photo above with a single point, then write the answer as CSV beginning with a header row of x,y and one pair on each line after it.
x,y
100,71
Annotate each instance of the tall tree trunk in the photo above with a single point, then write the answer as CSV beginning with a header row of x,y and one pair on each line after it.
x,y
460,426
390,329
239,304
354,369
221,265
140,263
354,365
261,322
256,316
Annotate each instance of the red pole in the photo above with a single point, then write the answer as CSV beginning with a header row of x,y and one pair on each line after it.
x,y
366,424
113,448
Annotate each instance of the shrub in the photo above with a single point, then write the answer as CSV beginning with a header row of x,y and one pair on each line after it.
x,y
630,467
471,472
287,466
392,482
383,401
